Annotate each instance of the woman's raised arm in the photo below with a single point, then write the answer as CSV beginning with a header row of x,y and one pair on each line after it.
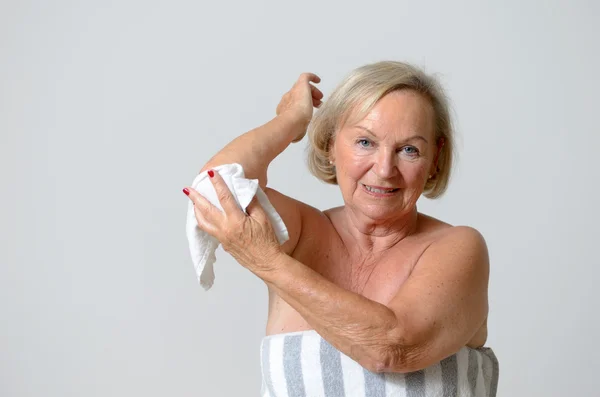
x,y
255,149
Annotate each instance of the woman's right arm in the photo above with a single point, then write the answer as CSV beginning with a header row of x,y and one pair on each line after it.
x,y
255,149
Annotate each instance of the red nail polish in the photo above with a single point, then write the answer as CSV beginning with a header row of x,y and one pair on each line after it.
x,y
211,173
186,191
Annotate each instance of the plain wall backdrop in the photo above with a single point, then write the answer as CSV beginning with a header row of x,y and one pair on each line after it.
x,y
108,109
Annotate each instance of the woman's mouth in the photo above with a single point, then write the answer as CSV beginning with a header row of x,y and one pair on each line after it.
x,y
378,191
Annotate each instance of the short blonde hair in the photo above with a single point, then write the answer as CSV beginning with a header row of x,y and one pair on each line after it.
x,y
360,90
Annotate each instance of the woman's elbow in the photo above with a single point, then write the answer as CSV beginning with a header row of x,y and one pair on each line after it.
x,y
406,351
401,358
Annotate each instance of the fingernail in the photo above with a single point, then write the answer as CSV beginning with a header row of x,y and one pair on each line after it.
x,y
211,173
186,191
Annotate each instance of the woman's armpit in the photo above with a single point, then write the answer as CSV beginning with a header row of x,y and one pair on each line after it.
x,y
289,210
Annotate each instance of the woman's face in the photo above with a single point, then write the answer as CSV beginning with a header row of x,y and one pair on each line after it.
x,y
393,147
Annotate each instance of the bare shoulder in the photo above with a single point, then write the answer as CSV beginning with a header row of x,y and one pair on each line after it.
x,y
462,248
441,232
461,239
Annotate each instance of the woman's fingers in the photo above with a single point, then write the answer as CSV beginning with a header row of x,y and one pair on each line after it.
x,y
203,209
230,206
198,200
316,93
310,77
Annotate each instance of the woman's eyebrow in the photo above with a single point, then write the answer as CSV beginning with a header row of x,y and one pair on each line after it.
x,y
410,138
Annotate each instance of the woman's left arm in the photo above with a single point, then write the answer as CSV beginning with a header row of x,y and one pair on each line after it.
x,y
436,311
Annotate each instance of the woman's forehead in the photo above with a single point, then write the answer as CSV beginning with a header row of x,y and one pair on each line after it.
x,y
399,113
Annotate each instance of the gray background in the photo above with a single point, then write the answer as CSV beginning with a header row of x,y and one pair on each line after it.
x,y
108,109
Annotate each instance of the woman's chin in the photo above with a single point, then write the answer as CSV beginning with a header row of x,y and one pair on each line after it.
x,y
379,213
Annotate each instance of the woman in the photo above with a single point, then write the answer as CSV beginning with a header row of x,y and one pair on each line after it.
x,y
374,297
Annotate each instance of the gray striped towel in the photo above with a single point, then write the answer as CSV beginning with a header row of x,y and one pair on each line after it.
x,y
303,364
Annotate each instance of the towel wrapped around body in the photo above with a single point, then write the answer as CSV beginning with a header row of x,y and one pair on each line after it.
x,y
299,364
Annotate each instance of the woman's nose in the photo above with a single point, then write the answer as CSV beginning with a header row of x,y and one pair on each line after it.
x,y
386,165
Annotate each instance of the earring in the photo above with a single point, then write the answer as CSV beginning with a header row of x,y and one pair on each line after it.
x,y
330,162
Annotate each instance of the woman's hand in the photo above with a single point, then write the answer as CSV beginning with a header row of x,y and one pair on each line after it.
x,y
300,100
250,239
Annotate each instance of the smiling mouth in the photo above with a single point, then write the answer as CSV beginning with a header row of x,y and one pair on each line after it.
x,y
378,191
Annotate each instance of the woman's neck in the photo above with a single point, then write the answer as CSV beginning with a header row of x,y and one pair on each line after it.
x,y
367,237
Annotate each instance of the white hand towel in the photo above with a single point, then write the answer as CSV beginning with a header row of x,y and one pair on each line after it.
x,y
203,245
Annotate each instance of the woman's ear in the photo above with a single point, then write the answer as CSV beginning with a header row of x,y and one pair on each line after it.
x,y
331,151
434,167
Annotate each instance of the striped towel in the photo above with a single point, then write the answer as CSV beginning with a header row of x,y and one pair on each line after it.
x,y
303,364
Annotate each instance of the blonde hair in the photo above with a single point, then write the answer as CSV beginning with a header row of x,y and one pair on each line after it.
x,y
359,91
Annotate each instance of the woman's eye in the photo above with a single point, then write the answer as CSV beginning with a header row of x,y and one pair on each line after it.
x,y
364,142
411,150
